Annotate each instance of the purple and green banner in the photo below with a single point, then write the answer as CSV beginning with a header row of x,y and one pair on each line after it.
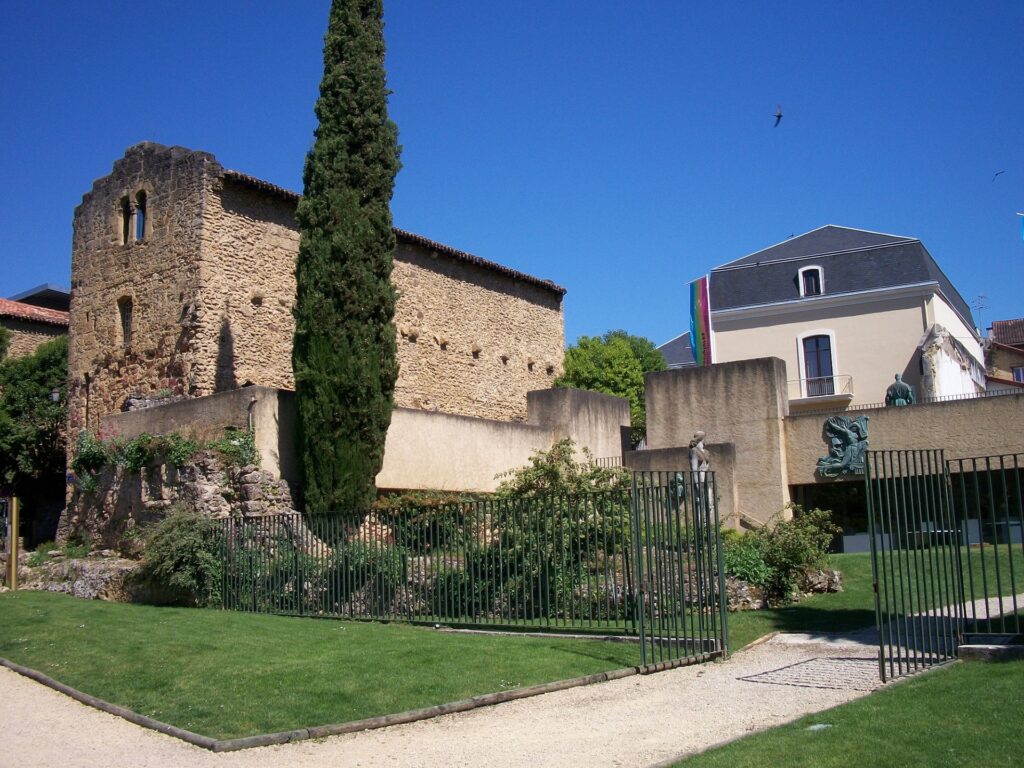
x,y
700,322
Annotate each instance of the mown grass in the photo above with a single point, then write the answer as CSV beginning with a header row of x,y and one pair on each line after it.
x,y
853,608
963,715
227,674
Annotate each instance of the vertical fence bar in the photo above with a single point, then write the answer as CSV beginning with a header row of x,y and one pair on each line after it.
x,y
876,571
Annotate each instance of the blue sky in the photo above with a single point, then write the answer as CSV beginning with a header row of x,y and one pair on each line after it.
x,y
619,149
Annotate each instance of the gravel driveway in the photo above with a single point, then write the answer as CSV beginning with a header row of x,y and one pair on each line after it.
x,y
636,721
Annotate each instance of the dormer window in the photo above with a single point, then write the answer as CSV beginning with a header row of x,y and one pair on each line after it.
x,y
811,281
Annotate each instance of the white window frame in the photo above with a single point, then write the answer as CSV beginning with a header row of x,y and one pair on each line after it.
x,y
803,363
821,279
1017,373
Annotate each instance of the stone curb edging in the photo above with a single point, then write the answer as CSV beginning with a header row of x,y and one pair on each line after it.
x,y
105,706
321,731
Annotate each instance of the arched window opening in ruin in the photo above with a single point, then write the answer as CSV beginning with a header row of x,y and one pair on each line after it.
x,y
140,216
126,220
124,308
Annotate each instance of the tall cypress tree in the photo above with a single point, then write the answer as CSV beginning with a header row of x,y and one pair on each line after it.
x,y
345,352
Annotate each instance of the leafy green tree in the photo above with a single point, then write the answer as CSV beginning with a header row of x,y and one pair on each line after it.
x,y
5,340
31,423
614,364
345,356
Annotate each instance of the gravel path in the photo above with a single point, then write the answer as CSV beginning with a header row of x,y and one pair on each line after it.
x,y
637,721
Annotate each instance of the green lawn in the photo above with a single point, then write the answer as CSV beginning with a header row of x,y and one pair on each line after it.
x,y
853,608
963,715
227,675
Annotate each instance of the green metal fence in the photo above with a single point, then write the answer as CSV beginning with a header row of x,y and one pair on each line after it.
x,y
916,560
989,500
643,563
947,554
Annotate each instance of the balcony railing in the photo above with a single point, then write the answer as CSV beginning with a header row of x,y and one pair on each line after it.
x,y
838,387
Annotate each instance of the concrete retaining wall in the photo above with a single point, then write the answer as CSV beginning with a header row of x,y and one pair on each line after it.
x,y
743,403
424,450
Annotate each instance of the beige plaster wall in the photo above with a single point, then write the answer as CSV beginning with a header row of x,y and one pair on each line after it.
x,y
1002,360
950,320
721,460
596,422
981,427
159,275
27,336
873,341
742,403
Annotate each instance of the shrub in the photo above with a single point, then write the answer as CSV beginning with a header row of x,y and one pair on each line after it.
x,y
237,448
42,554
135,454
558,472
76,548
744,559
183,558
774,556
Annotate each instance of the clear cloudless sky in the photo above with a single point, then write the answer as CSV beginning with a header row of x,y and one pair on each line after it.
x,y
618,148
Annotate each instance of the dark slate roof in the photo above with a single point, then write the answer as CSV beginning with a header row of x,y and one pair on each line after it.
x,y
1010,333
46,295
677,352
852,260
404,236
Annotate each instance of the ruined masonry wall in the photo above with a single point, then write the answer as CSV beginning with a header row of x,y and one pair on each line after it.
x,y
158,274
26,337
212,286
470,341
247,272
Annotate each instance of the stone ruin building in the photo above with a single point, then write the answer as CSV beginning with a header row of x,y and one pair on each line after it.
x,y
183,286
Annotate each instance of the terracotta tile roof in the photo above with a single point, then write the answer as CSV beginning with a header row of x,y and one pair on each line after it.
x,y
404,236
32,313
1008,332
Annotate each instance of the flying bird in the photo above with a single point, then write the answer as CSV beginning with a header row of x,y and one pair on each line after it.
x,y
778,115
997,173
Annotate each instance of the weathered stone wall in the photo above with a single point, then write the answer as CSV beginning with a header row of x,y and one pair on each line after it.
x,y
472,341
112,516
212,286
247,274
158,274
26,337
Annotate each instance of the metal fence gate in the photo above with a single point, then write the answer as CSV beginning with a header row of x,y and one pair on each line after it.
x,y
642,562
916,560
681,606
947,554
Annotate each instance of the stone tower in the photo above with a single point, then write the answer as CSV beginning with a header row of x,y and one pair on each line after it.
x,y
183,285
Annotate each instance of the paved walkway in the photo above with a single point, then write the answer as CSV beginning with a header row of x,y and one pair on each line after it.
x,y
637,721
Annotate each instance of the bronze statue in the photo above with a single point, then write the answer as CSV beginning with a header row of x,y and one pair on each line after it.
x,y
900,393
848,442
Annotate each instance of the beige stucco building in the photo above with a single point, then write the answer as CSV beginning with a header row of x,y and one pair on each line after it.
x,y
847,309
183,286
